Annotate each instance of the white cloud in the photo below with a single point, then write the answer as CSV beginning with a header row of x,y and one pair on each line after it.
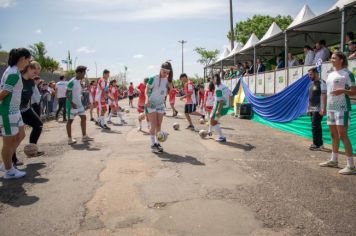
x,y
7,3
138,56
151,67
75,28
138,10
86,50
38,31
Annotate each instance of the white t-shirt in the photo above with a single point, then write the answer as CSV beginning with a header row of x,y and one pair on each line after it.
x,y
61,89
342,79
76,88
157,89
222,93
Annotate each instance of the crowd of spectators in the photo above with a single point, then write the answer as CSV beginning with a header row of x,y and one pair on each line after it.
x,y
312,56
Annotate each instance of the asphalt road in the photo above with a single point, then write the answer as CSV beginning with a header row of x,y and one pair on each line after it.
x,y
261,182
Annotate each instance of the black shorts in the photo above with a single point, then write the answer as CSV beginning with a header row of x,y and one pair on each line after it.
x,y
130,97
189,108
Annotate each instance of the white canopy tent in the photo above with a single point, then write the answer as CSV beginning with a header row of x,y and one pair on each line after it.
x,y
304,14
272,31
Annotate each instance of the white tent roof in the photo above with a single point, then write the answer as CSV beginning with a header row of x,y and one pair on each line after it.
x,y
341,4
272,31
237,48
251,42
224,54
305,14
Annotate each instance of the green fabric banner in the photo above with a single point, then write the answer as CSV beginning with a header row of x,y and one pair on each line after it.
x,y
302,127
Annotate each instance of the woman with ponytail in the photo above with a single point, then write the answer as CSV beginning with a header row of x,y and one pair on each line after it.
x,y
156,90
11,122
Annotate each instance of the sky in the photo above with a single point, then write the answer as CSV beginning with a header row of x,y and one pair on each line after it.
x,y
139,34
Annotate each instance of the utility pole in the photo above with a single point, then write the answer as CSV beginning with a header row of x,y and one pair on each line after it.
x,y
231,26
182,42
96,70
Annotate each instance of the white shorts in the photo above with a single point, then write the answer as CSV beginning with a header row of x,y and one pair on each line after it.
x,y
339,118
72,113
10,124
159,109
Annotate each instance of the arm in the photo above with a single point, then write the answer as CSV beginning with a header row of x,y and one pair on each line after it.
x,y
323,104
3,94
69,98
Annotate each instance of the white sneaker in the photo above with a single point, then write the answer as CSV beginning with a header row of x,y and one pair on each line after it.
x,y
139,129
71,141
86,138
14,174
348,171
332,164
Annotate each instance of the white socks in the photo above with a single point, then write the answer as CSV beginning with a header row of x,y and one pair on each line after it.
x,y
218,130
153,139
350,162
334,157
209,129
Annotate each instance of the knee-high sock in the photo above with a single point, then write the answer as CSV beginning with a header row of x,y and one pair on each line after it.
x,y
218,130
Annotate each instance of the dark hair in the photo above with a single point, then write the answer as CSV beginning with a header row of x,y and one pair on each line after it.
x,y
183,75
218,79
80,69
106,72
61,77
322,42
15,55
131,83
343,57
168,66
92,82
308,47
313,69
211,86
351,35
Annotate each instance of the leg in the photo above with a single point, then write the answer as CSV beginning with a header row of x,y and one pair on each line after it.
x,y
334,138
8,149
30,118
159,122
69,128
342,130
153,130
83,124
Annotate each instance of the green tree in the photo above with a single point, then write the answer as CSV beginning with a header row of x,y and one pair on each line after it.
x,y
38,52
206,57
259,25
69,73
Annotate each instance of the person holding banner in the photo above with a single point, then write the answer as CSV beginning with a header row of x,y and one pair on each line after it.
x,y
340,86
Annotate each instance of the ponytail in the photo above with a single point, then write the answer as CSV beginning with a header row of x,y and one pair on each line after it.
x,y
16,54
218,79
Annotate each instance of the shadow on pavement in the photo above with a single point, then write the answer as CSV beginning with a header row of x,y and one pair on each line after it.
x,y
246,147
12,191
110,131
85,146
180,159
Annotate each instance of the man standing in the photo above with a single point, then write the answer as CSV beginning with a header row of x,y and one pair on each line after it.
x,y
75,106
190,99
131,94
61,88
101,93
316,108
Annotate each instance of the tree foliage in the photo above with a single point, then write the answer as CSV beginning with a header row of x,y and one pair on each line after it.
x,y
259,25
206,57
38,52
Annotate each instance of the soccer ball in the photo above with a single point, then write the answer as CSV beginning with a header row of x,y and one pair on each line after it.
x,y
30,150
127,111
176,126
202,121
141,116
162,136
203,133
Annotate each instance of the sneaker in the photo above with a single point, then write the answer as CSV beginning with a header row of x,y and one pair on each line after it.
x,y
14,174
106,127
86,138
123,122
109,122
92,119
71,141
333,164
210,134
348,171
313,147
221,139
155,148
191,127
160,148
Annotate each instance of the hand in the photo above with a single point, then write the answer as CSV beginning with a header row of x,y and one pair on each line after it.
x,y
217,114
321,112
73,105
337,92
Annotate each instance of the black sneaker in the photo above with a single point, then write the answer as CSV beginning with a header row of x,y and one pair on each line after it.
x,y
159,147
106,127
191,127
155,148
92,119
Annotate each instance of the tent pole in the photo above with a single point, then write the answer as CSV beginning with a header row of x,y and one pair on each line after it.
x,y
342,41
286,54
